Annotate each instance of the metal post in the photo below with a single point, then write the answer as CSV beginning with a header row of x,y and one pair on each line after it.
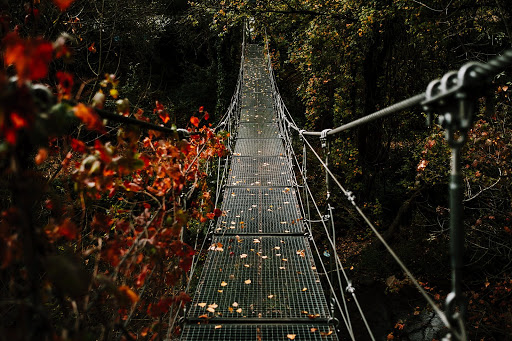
x,y
453,96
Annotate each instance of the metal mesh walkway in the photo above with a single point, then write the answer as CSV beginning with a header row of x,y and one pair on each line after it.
x,y
259,281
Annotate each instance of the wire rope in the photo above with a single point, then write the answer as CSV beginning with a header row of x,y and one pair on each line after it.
x,y
351,198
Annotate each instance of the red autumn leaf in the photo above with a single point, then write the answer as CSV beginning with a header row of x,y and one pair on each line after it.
x,y
217,212
67,229
30,56
78,146
92,48
104,153
17,121
65,82
183,297
206,116
142,276
201,109
164,116
210,215
129,293
89,117
132,187
195,121
41,156
164,304
63,4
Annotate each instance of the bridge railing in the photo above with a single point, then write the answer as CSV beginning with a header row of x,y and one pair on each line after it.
x,y
453,97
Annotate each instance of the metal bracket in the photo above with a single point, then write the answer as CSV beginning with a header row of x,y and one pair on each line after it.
x,y
323,137
350,197
301,134
350,288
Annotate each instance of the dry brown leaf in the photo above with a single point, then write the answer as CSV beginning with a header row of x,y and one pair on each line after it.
x,y
218,326
291,336
202,304
326,333
223,284
247,281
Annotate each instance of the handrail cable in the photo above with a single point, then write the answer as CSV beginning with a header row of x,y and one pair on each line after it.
x,y
279,109
481,72
339,265
340,283
233,107
351,198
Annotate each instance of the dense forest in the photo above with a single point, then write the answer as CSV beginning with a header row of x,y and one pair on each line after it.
x,y
100,221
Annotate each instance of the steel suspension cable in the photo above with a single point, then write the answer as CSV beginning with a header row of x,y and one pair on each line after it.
x,y
350,197
340,283
336,257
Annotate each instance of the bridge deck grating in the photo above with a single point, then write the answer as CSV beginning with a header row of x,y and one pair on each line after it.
x,y
260,171
259,281
260,210
259,147
259,277
259,332
258,130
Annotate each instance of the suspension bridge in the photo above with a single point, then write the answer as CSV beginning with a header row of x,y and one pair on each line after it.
x,y
259,280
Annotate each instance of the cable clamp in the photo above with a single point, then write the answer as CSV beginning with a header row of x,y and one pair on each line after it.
x,y
326,217
350,288
350,197
323,137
